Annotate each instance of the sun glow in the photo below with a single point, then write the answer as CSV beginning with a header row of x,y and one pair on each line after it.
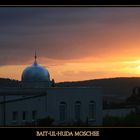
x,y
78,70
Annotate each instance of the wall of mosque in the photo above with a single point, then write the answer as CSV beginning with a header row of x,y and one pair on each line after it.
x,y
30,84
64,105
71,96
23,110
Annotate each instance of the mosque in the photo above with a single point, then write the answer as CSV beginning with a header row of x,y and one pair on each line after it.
x,y
37,98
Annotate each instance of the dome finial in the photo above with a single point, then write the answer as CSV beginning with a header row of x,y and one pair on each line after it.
x,y
35,58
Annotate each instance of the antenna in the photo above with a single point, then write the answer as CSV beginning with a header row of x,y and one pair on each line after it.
x,y
35,56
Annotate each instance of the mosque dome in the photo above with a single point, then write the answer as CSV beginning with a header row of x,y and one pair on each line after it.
x,y
35,73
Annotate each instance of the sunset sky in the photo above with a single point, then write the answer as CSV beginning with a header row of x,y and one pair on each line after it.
x,y
73,43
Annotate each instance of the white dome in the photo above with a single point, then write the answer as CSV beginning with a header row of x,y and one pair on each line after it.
x,y
36,73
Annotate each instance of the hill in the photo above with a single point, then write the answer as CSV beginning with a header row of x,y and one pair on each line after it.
x,y
112,87
6,82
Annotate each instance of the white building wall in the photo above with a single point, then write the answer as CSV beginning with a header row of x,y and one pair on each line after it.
x,y
48,105
70,96
27,105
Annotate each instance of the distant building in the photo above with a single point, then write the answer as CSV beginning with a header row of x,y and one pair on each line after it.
x,y
38,98
118,112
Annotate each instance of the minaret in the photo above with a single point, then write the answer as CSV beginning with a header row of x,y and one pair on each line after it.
x,y
35,62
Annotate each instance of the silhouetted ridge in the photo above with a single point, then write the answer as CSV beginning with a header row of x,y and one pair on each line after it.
x,y
112,86
6,82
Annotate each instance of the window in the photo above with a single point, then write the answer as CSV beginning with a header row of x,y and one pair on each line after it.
x,y
78,111
24,115
92,110
15,116
34,115
63,111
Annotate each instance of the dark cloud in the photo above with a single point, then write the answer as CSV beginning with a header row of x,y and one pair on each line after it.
x,y
63,33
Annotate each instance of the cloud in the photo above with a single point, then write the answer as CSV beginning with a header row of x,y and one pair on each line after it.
x,y
66,33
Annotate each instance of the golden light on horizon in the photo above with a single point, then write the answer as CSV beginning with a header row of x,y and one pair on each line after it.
x,y
76,71
73,44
